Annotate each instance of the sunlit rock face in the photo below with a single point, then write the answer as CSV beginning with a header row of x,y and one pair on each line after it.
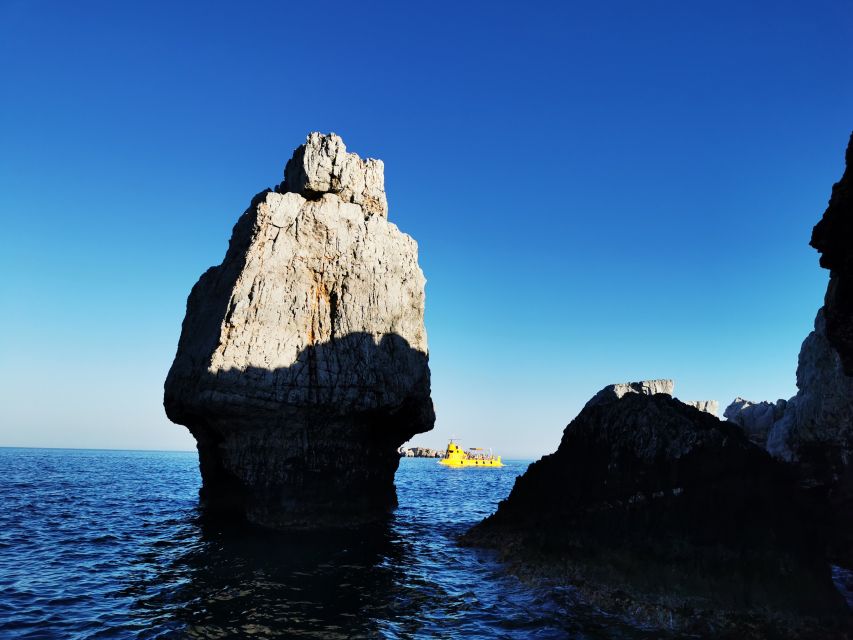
x,y
708,406
816,426
651,504
816,429
650,387
302,362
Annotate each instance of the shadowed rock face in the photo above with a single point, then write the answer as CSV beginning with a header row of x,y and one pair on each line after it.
x,y
302,364
814,429
755,418
833,237
669,506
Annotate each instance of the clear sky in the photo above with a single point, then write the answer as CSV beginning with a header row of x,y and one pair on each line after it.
x,y
601,191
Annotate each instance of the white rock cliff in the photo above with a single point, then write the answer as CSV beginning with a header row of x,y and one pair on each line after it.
x,y
302,364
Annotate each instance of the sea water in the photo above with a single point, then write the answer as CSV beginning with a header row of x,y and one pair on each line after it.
x,y
111,544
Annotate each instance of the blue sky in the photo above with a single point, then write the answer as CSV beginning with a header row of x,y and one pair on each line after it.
x,y
601,192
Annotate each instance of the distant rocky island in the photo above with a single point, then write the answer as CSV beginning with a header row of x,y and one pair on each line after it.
x,y
420,452
302,364
725,528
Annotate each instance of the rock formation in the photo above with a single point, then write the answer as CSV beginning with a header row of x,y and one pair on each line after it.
x,y
755,418
420,452
669,507
322,165
645,387
708,406
814,429
833,238
302,362
650,387
819,419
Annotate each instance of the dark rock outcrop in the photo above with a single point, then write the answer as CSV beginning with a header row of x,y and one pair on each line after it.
x,y
420,452
302,363
755,418
708,406
833,238
659,506
814,430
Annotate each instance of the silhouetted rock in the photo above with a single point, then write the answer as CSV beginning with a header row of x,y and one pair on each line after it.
x,y
302,363
755,418
649,505
833,238
649,387
322,165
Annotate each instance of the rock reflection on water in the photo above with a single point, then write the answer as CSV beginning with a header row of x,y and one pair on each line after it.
x,y
402,578
242,581
111,545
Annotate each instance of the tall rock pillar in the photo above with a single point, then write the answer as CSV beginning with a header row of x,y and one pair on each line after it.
x,y
302,363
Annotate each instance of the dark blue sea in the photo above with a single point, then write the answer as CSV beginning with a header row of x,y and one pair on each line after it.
x,y
110,544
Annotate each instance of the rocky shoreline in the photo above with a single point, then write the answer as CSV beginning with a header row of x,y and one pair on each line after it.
x,y
420,452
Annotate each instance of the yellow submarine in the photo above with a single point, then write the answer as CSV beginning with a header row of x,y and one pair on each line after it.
x,y
454,456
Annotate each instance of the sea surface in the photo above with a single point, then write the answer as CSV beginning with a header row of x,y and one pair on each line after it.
x,y
110,544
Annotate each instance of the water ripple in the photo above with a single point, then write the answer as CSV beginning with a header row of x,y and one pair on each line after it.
x,y
97,544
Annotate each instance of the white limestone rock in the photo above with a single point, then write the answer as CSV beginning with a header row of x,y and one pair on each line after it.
x,y
646,387
322,165
423,452
820,416
755,418
708,406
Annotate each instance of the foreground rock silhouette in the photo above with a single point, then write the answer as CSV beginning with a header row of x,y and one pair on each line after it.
x,y
654,507
302,363
814,430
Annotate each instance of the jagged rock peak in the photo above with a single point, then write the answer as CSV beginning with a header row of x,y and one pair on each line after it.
x,y
707,406
645,387
322,165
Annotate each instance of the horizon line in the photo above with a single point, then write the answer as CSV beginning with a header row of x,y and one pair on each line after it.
x,y
14,446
